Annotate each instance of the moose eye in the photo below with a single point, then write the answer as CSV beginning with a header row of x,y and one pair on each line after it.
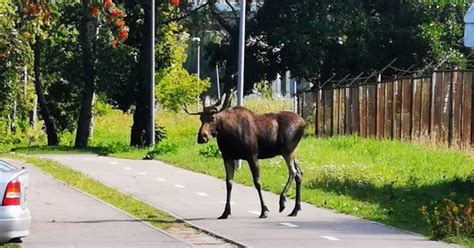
x,y
213,118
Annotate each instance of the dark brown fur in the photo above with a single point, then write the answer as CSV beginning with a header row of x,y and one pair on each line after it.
x,y
242,134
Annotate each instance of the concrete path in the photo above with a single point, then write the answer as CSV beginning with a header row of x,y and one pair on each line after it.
x,y
200,199
65,217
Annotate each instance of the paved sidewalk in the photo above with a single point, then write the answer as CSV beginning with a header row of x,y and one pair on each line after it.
x,y
65,217
200,199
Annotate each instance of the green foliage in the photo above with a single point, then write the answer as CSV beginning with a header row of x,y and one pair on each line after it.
x,y
176,87
113,147
263,89
21,135
162,148
449,217
101,108
210,151
160,134
442,29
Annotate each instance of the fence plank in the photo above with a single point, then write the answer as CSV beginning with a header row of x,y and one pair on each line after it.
x,y
355,118
388,130
336,108
371,110
327,113
320,114
406,109
397,109
348,119
327,95
446,109
426,95
466,117
456,102
380,110
437,103
342,111
363,110
416,108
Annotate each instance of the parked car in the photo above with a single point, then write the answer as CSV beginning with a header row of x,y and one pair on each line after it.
x,y
15,217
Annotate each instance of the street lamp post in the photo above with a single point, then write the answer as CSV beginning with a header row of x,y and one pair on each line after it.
x,y
240,84
151,76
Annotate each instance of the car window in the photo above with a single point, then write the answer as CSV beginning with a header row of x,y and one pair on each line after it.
x,y
4,167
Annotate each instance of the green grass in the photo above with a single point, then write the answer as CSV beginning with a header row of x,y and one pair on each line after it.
x,y
11,246
127,203
384,181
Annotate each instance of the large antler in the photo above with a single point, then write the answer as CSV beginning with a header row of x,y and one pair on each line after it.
x,y
185,108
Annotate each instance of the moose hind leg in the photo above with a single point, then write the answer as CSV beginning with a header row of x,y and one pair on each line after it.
x,y
298,179
254,168
229,171
289,159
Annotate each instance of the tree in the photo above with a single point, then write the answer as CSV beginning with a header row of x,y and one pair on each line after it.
x,y
322,38
174,80
166,14
24,31
318,39
89,30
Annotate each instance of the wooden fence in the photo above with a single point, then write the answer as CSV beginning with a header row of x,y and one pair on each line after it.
x,y
436,109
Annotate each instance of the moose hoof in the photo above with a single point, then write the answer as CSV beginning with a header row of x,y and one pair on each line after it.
x,y
264,212
264,215
282,204
223,216
282,207
294,213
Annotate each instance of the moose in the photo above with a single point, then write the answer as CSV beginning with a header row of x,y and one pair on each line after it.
x,y
242,134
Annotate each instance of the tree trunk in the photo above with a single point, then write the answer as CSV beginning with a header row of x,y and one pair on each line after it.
x,y
141,119
87,37
49,122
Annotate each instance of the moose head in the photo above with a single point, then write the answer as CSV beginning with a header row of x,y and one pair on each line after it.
x,y
208,118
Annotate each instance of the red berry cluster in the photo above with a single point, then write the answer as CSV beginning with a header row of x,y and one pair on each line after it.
x,y
114,16
35,9
175,2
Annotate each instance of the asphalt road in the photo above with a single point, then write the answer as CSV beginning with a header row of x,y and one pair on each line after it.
x,y
65,217
199,199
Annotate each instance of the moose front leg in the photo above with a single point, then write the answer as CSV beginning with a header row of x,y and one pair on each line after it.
x,y
229,172
254,168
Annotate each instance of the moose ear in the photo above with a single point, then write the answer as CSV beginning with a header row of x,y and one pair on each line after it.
x,y
224,102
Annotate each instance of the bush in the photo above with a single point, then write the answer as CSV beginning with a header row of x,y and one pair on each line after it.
x,y
21,135
114,147
211,151
160,133
164,147
173,82
449,218
101,107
